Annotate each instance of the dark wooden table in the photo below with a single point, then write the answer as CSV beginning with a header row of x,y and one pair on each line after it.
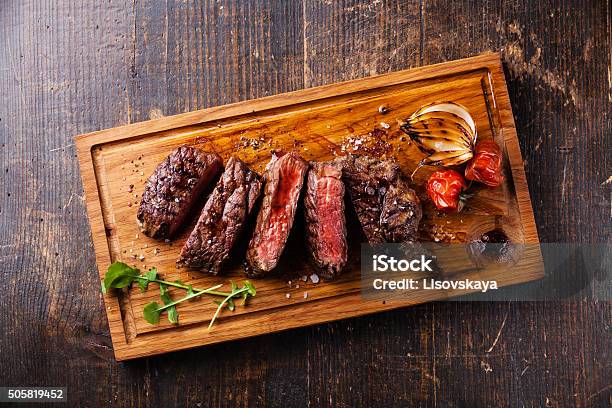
x,y
73,67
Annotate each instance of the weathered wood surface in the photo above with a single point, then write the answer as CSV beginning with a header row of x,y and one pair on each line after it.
x,y
73,67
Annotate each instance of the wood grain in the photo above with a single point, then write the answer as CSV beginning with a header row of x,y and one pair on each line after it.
x,y
318,122
69,68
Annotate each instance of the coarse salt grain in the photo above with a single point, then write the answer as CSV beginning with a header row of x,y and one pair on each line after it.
x,y
305,295
288,295
314,278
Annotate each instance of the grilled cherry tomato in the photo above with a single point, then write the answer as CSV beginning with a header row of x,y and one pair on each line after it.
x,y
486,165
444,188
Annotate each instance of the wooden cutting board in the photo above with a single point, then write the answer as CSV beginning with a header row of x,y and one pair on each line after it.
x,y
319,123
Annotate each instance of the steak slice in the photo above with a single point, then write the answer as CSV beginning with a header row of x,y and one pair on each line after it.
x,y
367,180
284,177
173,189
222,219
325,221
401,213
387,208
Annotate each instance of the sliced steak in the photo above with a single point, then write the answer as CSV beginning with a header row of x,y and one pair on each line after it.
x,y
401,213
222,219
173,189
325,221
284,177
367,180
387,208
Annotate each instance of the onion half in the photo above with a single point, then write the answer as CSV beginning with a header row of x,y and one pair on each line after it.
x,y
445,131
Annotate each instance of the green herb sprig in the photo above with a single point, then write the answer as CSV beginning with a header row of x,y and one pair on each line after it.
x,y
244,292
120,275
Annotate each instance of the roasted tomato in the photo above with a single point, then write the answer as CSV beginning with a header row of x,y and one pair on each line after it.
x,y
486,165
444,188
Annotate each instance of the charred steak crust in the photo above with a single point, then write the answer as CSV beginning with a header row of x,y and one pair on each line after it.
x,y
222,219
173,189
325,220
367,180
284,177
387,208
401,213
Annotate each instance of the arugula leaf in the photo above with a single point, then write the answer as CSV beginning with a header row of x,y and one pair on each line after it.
x,y
120,275
173,315
151,275
151,313
247,290
143,284
250,288
165,297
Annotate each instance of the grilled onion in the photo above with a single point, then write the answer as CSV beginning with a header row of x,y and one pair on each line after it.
x,y
445,131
